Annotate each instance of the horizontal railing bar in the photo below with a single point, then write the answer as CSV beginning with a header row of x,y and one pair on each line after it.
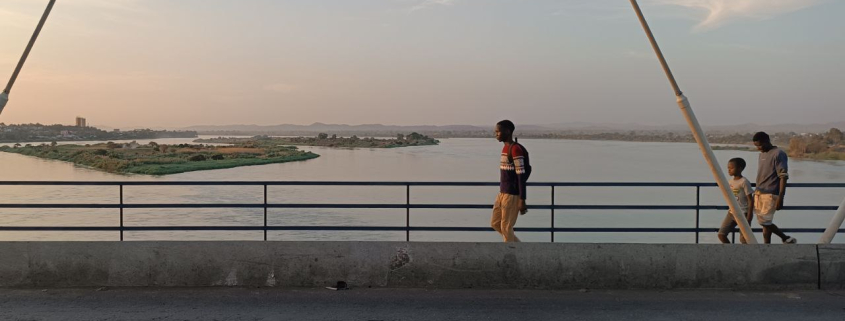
x,y
785,208
380,228
383,183
67,206
400,206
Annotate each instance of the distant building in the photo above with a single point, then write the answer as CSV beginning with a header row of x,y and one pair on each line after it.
x,y
80,122
67,133
116,130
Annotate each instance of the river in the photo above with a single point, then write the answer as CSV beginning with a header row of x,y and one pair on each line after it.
x,y
452,160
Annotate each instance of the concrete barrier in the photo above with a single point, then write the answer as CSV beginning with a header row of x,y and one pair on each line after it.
x,y
831,266
400,264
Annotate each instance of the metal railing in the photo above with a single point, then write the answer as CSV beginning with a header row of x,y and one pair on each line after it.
x,y
407,206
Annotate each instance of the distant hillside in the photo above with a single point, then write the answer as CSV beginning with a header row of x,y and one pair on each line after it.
x,y
484,131
339,129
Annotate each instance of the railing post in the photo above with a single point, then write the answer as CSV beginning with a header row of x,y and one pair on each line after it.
x,y
553,214
265,212
121,212
697,210
407,212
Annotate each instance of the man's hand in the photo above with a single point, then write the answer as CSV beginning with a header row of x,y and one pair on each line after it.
x,y
780,204
522,207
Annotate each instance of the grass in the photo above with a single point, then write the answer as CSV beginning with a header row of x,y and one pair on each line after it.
x,y
156,169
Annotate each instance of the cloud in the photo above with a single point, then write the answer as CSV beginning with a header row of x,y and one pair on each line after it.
x,y
76,16
721,12
429,3
601,10
17,19
130,81
280,88
639,54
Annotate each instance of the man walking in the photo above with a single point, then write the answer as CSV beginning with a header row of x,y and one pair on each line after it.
x,y
514,171
772,173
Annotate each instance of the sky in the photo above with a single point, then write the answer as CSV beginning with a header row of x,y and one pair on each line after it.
x,y
175,63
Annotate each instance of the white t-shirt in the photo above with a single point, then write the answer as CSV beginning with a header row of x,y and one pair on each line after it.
x,y
741,188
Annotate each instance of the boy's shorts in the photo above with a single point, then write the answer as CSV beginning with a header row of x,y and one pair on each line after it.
x,y
765,206
728,224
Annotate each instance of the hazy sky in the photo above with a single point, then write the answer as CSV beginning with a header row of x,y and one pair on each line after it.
x,y
190,62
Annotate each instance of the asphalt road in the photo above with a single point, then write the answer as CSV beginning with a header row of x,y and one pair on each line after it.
x,y
413,304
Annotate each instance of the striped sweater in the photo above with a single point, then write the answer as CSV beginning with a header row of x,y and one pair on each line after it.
x,y
512,179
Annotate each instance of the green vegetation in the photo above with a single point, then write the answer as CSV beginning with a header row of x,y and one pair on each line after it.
x,y
155,159
45,133
323,139
823,146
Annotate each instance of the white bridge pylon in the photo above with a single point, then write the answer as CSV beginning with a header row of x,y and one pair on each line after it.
x,y
4,96
698,133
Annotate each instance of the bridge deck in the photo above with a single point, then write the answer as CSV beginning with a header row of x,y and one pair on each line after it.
x,y
413,304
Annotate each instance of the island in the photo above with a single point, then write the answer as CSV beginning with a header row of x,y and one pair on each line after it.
x,y
160,159
323,139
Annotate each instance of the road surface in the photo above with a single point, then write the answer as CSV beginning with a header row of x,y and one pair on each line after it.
x,y
413,304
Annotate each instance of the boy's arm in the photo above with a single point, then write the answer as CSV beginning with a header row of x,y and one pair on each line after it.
x,y
750,213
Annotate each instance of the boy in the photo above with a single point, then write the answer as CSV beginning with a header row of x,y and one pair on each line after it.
x,y
744,196
772,173
512,168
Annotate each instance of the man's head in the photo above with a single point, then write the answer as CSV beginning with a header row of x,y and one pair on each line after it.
x,y
736,166
504,130
762,141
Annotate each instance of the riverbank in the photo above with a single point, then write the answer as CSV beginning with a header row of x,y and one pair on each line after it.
x,y
324,140
823,156
28,133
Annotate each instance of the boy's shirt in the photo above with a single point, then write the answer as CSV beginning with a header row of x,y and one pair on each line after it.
x,y
511,178
741,188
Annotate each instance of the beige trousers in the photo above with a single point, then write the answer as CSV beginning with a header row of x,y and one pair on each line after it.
x,y
505,213
765,206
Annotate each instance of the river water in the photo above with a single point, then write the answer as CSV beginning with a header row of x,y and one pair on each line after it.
x,y
452,160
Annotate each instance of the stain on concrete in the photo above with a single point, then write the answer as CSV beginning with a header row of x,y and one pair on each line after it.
x,y
271,279
510,268
401,259
232,278
790,273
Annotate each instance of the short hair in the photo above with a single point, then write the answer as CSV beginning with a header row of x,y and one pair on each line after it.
x,y
506,124
738,162
761,137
